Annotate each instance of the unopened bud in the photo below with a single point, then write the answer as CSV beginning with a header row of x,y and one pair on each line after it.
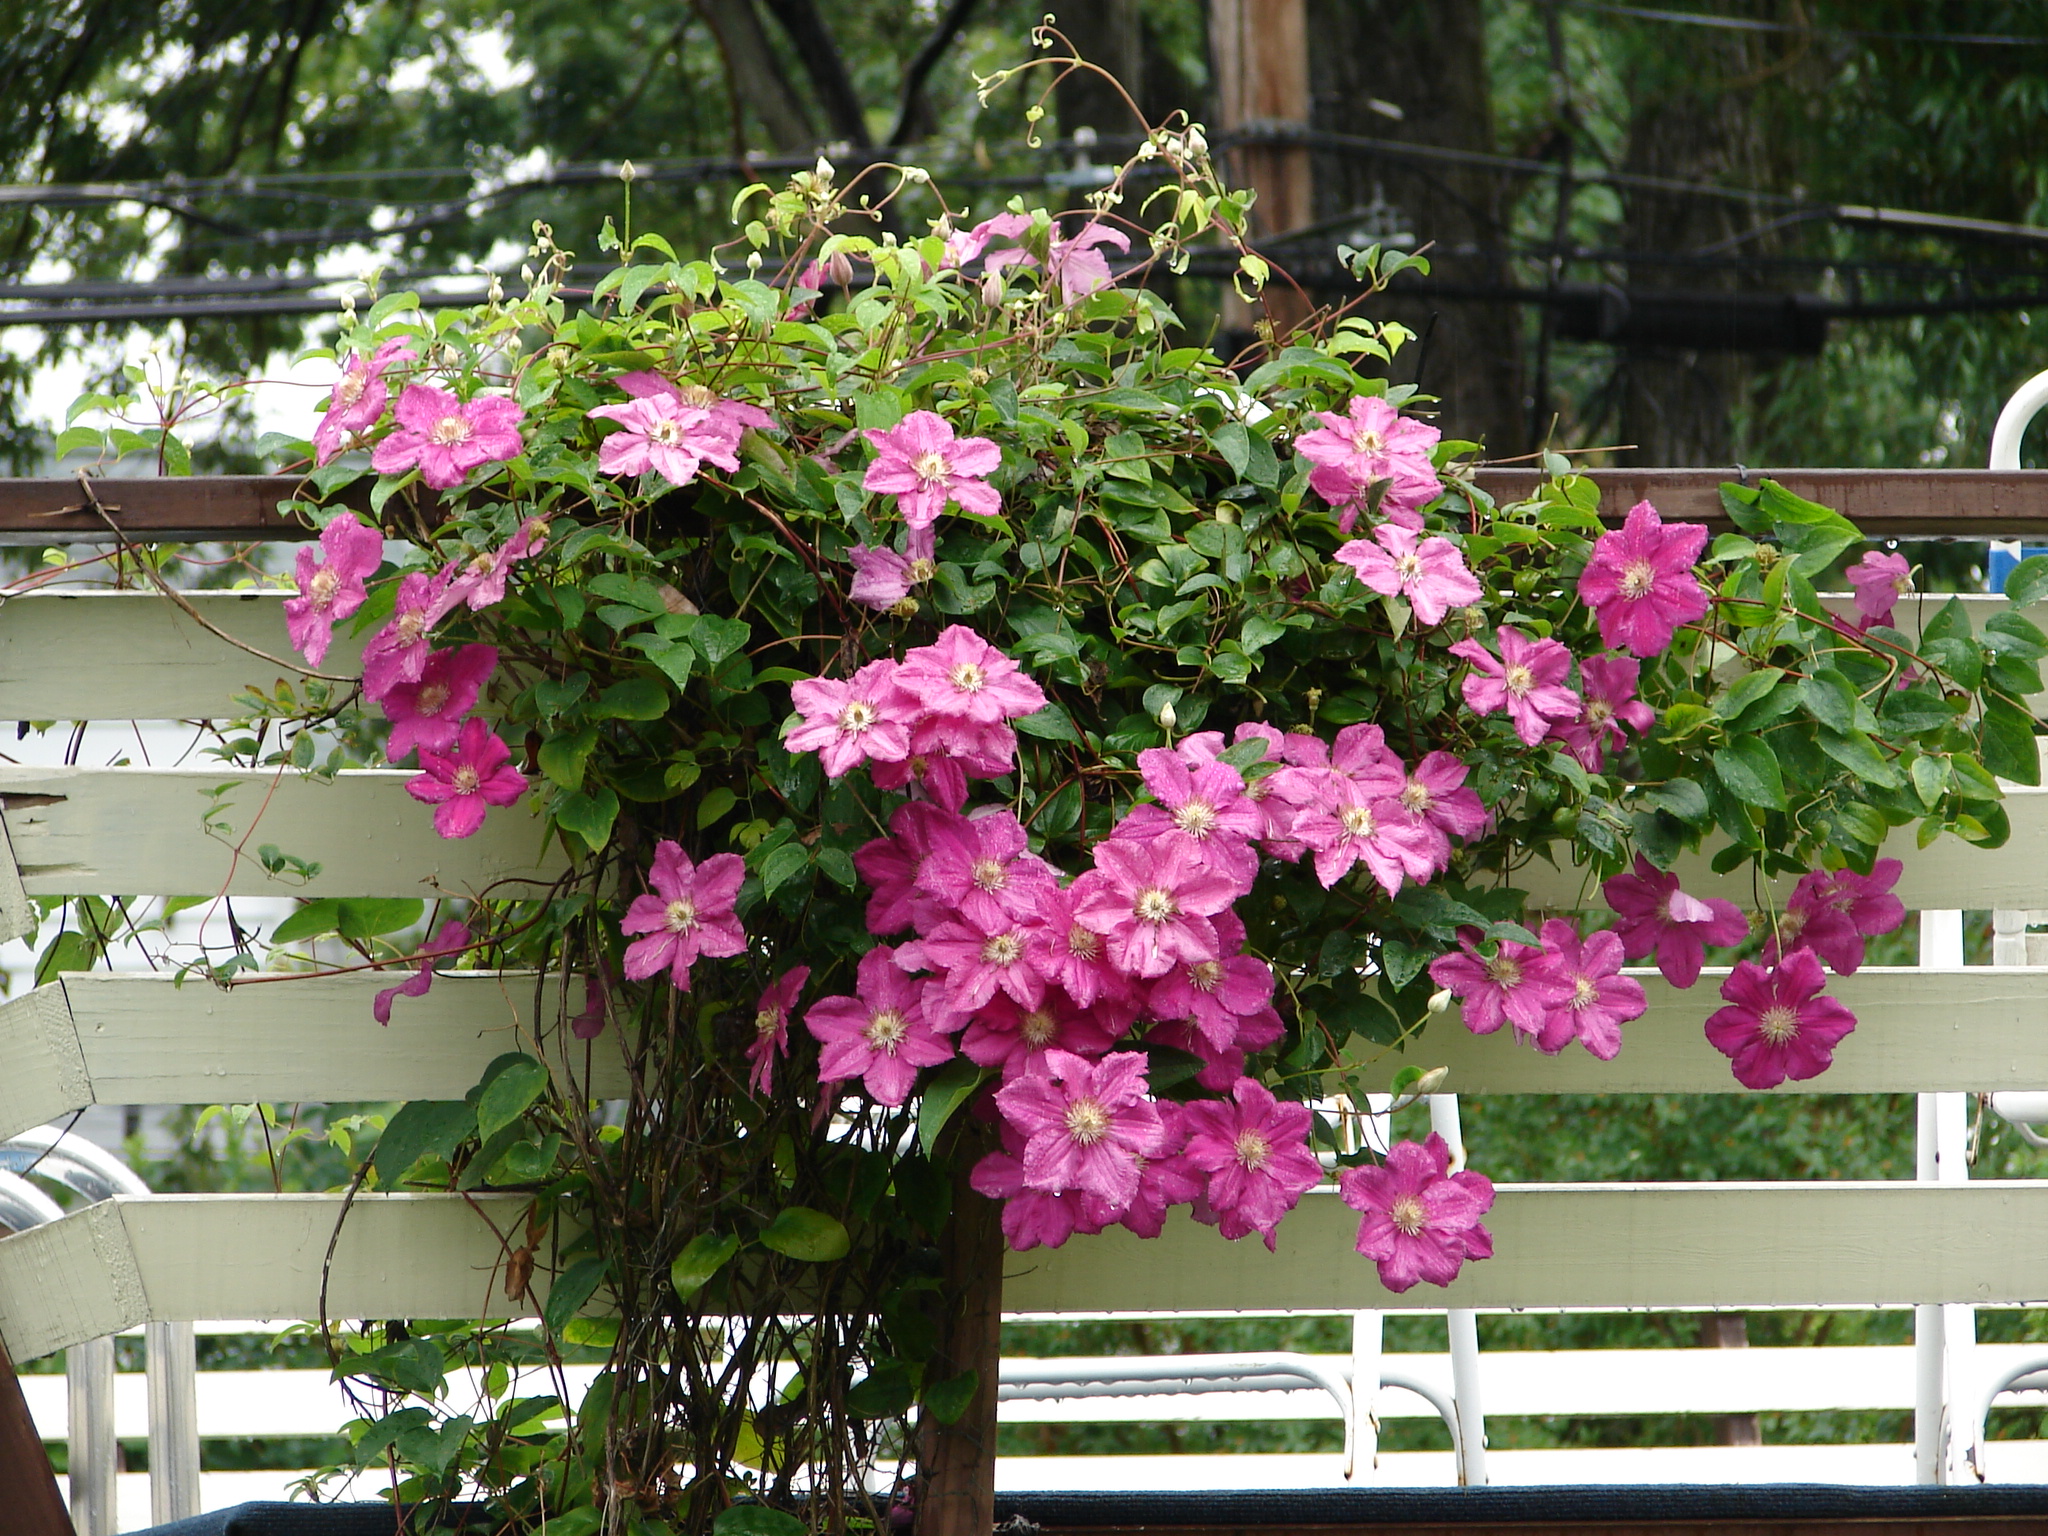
x,y
626,172
1439,1000
905,608
1168,717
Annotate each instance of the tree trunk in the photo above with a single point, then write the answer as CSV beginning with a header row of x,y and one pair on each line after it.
x,y
1111,35
1260,52
755,77
1730,1330
26,1477
823,62
957,1461
1424,60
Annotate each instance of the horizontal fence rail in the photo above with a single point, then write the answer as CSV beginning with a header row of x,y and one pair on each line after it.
x,y
97,1037
135,1259
1887,503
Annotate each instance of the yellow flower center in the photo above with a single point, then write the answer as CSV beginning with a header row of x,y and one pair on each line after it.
x,y
1365,440
1517,679
467,780
1637,578
351,387
1087,1121
1038,1027
1598,713
1778,1024
1407,1215
1584,993
1504,971
968,677
1409,566
1206,975
1083,943
323,587
1197,818
767,1021
929,466
432,699
858,715
886,1030
988,875
1356,820
412,625
1253,1150
680,916
667,432
1416,798
1155,905
698,396
923,569
449,431
1002,949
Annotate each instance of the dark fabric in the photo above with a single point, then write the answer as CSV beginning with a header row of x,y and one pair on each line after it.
x,y
290,1520
1367,1507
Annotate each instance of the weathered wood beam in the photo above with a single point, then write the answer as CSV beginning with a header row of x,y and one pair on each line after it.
x,y
1887,503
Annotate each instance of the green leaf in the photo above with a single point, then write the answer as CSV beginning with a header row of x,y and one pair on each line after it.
x,y
635,698
1232,440
1829,698
2007,742
1683,799
423,1128
1856,752
1930,780
1961,659
589,816
1951,623
885,1392
799,1232
1910,711
1749,769
1051,723
696,1264
1746,690
2010,635
755,1520
2027,582
367,917
945,1401
714,805
718,638
781,865
562,758
572,1288
952,1086
510,1089
312,919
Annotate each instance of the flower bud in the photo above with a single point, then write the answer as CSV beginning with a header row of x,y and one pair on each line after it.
x,y
1168,716
905,608
626,172
1439,1000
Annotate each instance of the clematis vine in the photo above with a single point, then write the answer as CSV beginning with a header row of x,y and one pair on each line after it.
x,y
463,782
444,438
689,916
331,585
359,397
924,466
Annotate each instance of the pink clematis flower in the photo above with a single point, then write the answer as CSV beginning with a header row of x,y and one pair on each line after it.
x,y
1780,1025
1152,903
689,917
983,869
1657,917
1351,825
480,580
882,1035
1163,1182
597,996
1880,580
1205,807
398,652
1519,985
1402,496
890,864
1439,807
975,961
1016,1038
450,941
666,437
882,578
1601,1000
1255,1152
1527,680
1431,573
428,713
923,465
1371,442
1611,703
359,398
330,589
1639,582
851,721
1078,266
961,677
732,416
1832,912
771,1027
461,783
1071,955
1421,1221
1085,1124
445,438
1034,1218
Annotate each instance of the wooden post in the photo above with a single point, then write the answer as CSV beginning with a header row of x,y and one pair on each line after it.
x,y
957,1462
27,1481
1260,49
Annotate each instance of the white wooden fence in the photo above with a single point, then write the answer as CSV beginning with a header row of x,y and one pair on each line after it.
x,y
1940,1244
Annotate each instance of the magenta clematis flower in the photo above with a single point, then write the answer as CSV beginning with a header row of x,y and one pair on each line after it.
x,y
851,721
922,464
961,677
1520,984
1527,680
733,416
398,652
1152,903
1611,703
983,869
1831,912
1601,999
450,941
1371,442
330,589
1879,580
881,1035
461,783
1639,582
666,437
1657,917
1780,1025
1216,996
771,1026
445,438
882,578
1078,266
1255,1152
1439,807
1421,1221
1351,826
1085,1124
689,917
1402,496
1206,807
1016,1039
1034,1218
1071,955
359,398
1163,1182
1431,573
889,865
428,713
597,996
975,961
480,580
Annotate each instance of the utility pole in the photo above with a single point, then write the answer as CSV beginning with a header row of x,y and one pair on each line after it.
x,y
1260,52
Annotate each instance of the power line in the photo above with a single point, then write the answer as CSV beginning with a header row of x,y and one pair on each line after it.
x,y
1749,24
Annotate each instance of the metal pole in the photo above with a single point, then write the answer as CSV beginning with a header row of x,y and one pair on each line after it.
x,y
89,1375
1362,1424
1462,1324
173,1422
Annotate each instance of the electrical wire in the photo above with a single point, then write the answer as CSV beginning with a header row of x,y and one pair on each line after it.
x,y
1751,24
